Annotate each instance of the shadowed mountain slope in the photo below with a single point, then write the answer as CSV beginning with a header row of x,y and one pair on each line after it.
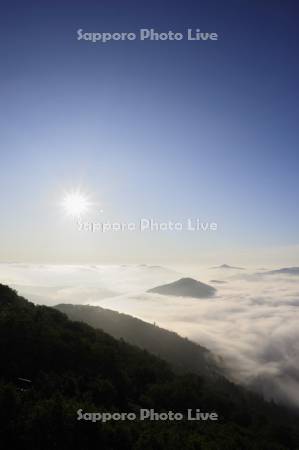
x,y
181,353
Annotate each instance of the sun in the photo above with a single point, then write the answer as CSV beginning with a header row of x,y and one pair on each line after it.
x,y
76,203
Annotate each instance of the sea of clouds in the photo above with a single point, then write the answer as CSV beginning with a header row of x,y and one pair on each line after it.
x,y
251,323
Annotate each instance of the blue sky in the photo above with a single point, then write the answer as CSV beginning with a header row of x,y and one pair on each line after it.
x,y
161,129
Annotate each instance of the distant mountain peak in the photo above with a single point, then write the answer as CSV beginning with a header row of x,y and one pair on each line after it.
x,y
185,287
283,271
218,281
227,266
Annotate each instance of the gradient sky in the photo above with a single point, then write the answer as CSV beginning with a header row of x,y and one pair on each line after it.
x,y
168,130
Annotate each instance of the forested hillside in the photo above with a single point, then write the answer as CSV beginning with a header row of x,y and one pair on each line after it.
x,y
183,354
70,366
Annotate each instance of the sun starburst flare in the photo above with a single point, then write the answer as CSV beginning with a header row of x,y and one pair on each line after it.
x,y
76,203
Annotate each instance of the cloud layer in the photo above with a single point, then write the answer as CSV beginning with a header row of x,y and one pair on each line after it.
x,y
252,322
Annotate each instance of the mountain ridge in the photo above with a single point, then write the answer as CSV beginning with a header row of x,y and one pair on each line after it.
x,y
185,287
282,271
227,266
183,354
